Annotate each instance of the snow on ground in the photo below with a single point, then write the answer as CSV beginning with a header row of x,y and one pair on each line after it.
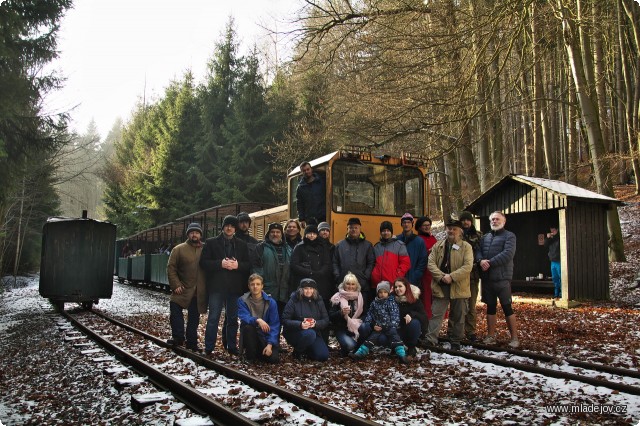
x,y
45,380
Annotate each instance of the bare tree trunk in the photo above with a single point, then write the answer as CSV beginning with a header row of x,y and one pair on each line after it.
x,y
573,137
632,77
591,122
18,241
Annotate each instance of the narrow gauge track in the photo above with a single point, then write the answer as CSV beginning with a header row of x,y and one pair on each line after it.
x,y
314,406
219,414
549,372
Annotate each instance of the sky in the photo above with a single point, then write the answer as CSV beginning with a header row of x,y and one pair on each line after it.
x,y
112,52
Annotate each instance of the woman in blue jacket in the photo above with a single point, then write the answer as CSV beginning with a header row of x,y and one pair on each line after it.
x,y
259,323
304,318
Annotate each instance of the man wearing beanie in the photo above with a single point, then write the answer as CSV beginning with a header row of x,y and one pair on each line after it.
x,y
225,260
311,259
416,249
188,289
242,232
324,232
354,254
472,236
272,262
423,226
391,257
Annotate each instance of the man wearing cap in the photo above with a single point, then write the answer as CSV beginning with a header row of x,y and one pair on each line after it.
x,y
188,290
225,260
392,259
310,196
472,236
416,249
450,264
272,262
354,254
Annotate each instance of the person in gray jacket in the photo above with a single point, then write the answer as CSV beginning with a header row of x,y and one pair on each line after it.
x,y
495,257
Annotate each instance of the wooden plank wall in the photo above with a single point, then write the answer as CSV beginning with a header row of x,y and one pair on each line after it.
x,y
587,251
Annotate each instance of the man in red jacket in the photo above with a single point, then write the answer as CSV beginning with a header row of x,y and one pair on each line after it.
x,y
392,258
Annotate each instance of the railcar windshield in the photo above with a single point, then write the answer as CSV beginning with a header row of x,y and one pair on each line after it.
x,y
376,189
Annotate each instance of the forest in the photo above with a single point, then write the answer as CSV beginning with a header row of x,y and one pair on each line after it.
x,y
481,89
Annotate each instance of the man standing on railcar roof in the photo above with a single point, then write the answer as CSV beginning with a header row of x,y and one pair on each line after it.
x,y
225,260
310,196
188,290
495,257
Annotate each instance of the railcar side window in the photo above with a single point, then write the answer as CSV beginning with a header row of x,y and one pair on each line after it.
x,y
376,189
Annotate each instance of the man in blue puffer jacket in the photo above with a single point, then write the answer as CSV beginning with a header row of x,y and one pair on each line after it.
x,y
495,257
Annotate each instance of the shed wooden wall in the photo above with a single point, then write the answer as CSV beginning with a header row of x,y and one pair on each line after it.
x,y
587,251
584,236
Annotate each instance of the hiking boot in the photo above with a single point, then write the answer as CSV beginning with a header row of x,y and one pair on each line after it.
x,y
362,352
490,340
514,343
175,342
472,337
194,348
455,346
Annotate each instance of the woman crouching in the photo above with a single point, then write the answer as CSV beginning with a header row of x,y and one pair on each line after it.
x,y
413,318
345,311
304,318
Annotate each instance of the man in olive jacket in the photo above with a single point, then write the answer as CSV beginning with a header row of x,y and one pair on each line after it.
x,y
450,264
188,290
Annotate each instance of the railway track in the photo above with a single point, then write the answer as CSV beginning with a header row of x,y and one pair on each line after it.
x,y
197,400
617,375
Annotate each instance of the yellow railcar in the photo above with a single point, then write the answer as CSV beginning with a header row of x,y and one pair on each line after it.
x,y
358,184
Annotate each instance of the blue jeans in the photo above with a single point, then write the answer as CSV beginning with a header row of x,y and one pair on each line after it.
x,y
346,341
176,319
557,281
309,343
217,301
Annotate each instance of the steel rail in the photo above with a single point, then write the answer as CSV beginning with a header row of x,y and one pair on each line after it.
x,y
326,411
630,389
220,414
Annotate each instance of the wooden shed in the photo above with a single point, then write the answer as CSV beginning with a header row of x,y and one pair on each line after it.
x,y
531,206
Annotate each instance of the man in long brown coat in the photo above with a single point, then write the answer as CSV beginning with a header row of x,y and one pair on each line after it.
x,y
188,289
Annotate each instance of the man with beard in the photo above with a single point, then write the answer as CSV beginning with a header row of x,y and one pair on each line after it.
x,y
272,260
242,233
188,290
225,260
450,264
495,256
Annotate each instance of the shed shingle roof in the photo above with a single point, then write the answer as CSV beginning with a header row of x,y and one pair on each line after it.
x,y
563,188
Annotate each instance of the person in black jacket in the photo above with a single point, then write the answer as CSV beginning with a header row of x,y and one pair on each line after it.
x,y
413,317
225,260
311,259
304,318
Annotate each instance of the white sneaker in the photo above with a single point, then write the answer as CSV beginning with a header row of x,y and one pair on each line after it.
x,y
514,343
490,340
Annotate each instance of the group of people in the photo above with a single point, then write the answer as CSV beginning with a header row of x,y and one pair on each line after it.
x,y
393,294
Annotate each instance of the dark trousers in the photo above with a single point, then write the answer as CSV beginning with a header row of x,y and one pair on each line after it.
x,y
308,342
385,337
176,319
252,342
